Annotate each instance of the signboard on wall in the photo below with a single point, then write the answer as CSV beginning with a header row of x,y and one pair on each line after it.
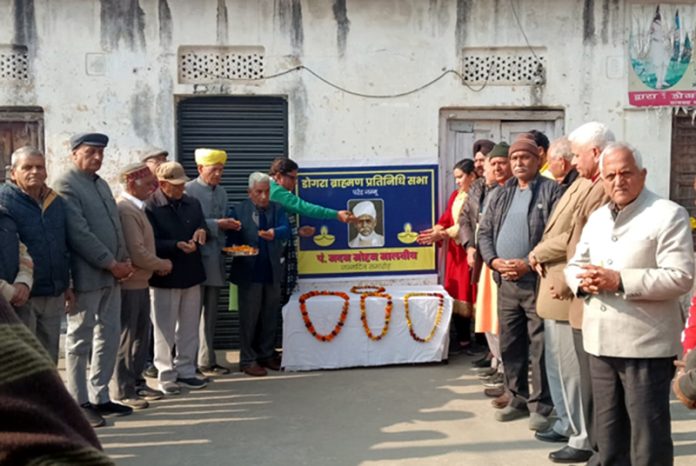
x,y
661,59
392,205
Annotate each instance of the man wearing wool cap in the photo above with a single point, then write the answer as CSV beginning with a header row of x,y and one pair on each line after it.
x,y
213,198
512,225
367,237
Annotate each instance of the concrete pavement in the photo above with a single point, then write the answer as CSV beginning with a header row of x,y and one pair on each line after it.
x,y
425,415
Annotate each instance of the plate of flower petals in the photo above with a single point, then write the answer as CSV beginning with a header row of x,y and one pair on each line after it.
x,y
239,251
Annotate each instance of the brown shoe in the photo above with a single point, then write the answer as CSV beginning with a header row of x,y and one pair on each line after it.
x,y
254,370
494,392
501,402
272,363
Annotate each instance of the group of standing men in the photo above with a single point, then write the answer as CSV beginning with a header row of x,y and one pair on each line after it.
x,y
149,261
590,266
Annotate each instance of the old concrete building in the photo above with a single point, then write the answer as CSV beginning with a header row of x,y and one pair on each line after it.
x,y
128,68
335,82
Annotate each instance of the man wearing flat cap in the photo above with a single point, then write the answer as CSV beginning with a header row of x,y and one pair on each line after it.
x,y
511,226
366,223
153,158
179,227
213,198
99,261
138,183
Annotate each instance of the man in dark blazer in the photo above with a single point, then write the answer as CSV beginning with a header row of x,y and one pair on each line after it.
x,y
264,226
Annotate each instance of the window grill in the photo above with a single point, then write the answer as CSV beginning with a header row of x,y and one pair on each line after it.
x,y
199,65
503,67
14,63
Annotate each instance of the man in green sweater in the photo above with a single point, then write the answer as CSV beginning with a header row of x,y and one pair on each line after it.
x,y
283,175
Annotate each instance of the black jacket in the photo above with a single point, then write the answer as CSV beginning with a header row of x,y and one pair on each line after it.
x,y
545,194
173,224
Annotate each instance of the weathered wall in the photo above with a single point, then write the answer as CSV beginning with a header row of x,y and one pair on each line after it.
x,y
375,47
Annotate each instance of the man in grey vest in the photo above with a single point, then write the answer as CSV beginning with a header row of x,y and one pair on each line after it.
x,y
99,262
213,198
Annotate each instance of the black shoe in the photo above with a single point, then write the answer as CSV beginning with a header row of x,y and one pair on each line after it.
x,y
486,374
113,409
93,417
570,455
150,372
550,435
483,362
192,382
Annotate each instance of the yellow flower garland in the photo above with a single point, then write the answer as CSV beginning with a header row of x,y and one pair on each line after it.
x,y
387,314
438,317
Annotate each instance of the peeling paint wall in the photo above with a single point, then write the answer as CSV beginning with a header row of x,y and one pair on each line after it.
x,y
111,65
342,25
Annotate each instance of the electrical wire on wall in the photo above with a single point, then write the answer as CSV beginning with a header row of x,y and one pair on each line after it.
x,y
362,94
540,67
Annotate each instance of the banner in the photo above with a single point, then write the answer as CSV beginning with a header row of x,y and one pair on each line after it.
x,y
660,46
392,205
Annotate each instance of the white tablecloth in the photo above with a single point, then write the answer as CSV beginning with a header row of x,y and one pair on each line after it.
x,y
352,347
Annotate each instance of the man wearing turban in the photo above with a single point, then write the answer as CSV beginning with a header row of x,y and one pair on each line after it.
x,y
213,198
367,237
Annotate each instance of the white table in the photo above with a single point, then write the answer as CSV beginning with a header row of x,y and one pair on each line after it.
x,y
352,347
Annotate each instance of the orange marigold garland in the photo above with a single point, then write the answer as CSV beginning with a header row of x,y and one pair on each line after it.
x,y
367,289
341,320
438,317
387,314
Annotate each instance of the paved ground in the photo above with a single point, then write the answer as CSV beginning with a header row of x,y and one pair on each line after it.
x,y
405,415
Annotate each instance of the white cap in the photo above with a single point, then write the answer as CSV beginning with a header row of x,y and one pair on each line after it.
x,y
365,208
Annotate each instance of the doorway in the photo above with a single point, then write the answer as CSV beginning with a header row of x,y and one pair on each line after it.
x,y
460,128
19,126
253,130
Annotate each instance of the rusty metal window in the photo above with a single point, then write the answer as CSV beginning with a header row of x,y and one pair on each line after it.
x,y
198,65
14,63
503,66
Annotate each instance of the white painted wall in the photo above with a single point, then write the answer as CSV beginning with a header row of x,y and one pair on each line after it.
x,y
391,46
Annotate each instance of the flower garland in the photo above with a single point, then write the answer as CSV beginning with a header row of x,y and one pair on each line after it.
x,y
308,322
387,314
367,289
438,317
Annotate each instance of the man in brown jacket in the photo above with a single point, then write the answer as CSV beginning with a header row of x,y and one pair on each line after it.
x,y
548,258
138,183
587,142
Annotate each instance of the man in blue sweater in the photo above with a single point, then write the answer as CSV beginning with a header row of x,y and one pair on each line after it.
x,y
41,222
264,225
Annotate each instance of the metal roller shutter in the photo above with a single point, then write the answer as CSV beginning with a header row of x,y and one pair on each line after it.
x,y
253,130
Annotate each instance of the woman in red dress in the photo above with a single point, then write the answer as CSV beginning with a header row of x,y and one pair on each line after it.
x,y
457,281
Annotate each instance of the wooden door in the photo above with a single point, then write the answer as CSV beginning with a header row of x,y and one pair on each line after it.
x,y
18,129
